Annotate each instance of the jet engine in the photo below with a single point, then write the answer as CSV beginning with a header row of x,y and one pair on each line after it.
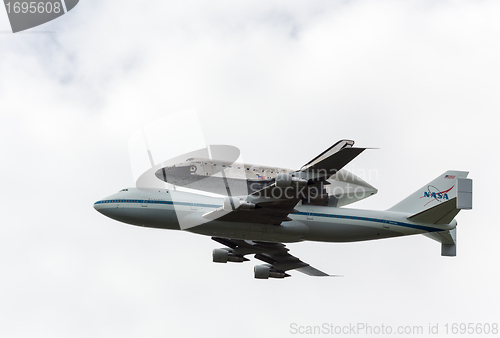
x,y
224,256
267,271
286,180
233,203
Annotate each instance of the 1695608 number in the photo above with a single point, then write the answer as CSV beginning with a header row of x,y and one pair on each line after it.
x,y
472,328
33,7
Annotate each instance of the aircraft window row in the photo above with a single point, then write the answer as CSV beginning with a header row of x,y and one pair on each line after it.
x,y
217,206
338,216
368,219
161,202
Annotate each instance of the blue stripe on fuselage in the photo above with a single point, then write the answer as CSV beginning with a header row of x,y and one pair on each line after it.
x,y
313,214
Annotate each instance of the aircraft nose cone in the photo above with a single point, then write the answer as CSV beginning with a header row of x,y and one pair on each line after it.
x,y
106,209
98,206
109,208
104,206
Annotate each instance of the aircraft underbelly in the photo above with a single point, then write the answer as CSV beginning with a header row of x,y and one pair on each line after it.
x,y
288,232
295,231
346,232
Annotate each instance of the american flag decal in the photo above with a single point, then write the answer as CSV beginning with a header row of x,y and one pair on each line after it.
x,y
449,176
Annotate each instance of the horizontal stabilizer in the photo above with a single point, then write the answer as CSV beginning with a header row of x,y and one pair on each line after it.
x,y
442,213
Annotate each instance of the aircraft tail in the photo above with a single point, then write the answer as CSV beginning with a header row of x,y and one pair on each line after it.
x,y
439,201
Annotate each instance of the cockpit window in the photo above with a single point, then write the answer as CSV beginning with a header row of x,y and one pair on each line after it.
x,y
123,190
189,159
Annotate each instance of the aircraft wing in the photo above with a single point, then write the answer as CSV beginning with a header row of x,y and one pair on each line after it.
x,y
273,211
272,204
274,254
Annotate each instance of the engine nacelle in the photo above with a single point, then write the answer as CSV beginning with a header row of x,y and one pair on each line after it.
x,y
220,256
286,180
224,256
266,271
245,205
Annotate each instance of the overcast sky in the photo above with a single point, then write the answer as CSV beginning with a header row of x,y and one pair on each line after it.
x,y
282,81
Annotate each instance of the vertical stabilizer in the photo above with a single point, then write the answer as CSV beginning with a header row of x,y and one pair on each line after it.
x,y
438,202
444,188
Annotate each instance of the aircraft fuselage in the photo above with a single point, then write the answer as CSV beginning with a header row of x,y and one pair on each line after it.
x,y
177,210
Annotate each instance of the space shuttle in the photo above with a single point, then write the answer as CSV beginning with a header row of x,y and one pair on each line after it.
x,y
228,178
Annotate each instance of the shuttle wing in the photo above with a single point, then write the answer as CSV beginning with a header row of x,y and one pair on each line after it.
x,y
274,254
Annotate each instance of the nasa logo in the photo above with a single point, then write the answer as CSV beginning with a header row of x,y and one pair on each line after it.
x,y
436,195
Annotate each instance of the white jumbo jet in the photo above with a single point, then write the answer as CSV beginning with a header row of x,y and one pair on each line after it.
x,y
286,210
